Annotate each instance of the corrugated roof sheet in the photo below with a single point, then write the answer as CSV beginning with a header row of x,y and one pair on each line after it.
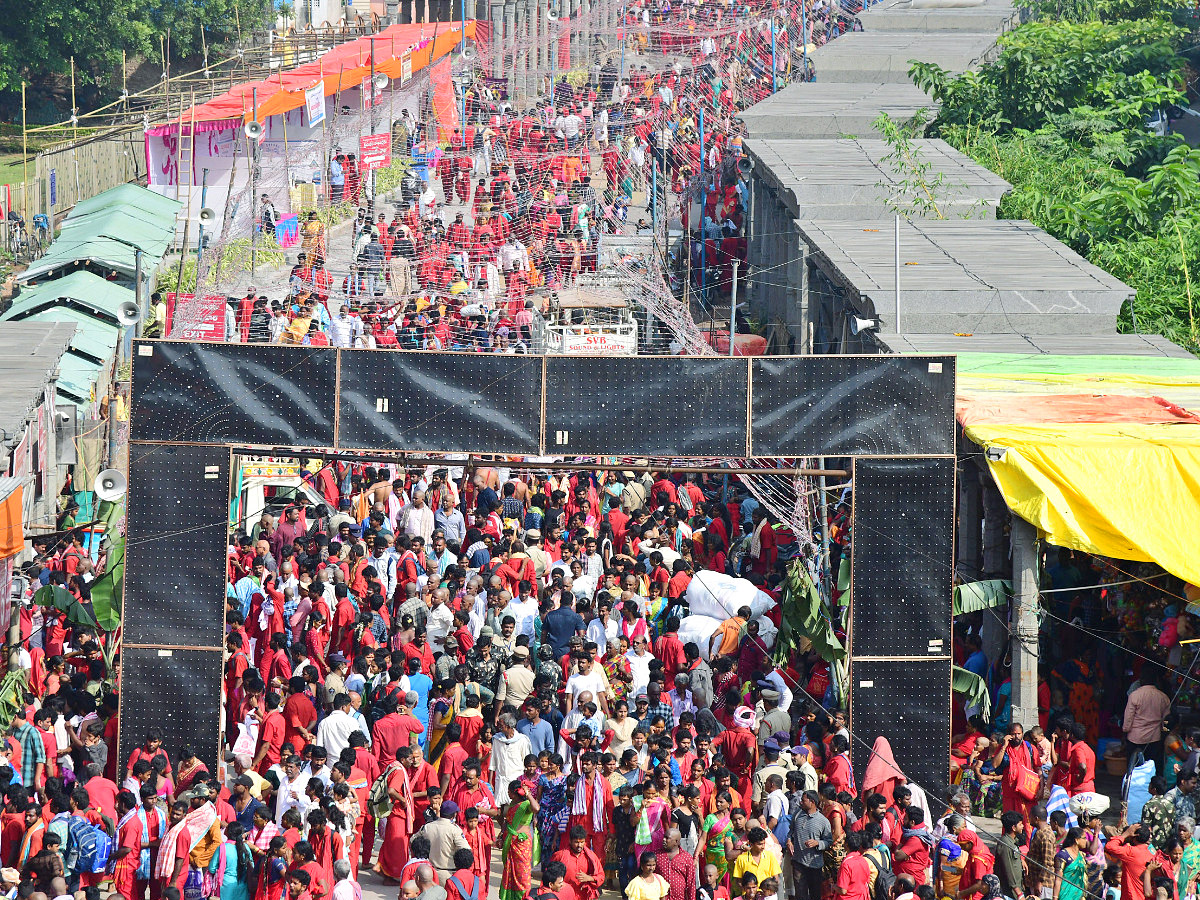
x,y
29,354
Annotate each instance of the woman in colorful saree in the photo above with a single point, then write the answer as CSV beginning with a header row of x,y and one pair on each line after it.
x,y
520,843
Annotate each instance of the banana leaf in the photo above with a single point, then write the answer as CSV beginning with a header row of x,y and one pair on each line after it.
x,y
804,616
64,601
106,590
979,595
973,690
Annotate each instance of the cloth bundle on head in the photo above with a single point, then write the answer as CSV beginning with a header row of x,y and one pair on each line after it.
x,y
883,776
744,716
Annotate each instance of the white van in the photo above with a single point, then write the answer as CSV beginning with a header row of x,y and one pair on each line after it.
x,y
268,484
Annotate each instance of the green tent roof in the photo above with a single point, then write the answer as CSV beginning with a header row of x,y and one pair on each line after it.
x,y
150,236
76,378
129,196
102,228
105,253
95,340
79,290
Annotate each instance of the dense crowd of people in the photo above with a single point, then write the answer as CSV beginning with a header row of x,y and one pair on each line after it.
x,y
511,207
438,672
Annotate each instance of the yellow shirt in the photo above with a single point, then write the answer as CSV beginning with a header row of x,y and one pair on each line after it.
x,y
766,867
653,889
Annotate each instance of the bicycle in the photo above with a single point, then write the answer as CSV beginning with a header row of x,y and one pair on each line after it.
x,y
41,235
17,240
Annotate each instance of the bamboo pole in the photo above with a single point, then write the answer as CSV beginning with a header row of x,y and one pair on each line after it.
x,y
24,159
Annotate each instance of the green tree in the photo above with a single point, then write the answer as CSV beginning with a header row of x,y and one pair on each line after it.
x,y
39,39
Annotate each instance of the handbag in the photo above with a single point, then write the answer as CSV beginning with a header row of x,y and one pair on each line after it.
x,y
1027,783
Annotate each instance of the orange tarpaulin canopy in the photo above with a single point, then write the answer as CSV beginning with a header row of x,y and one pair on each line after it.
x,y
343,67
12,534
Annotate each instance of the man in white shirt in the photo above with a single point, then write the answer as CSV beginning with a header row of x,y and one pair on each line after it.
x,y
588,680
441,620
416,519
335,729
639,663
523,608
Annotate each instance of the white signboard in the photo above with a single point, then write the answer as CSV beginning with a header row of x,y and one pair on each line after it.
x,y
314,103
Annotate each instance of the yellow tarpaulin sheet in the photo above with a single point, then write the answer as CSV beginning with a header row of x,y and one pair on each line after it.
x,y
1097,473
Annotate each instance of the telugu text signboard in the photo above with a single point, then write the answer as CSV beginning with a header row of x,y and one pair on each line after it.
x,y
374,151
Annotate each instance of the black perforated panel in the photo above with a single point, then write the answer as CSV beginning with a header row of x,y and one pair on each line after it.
x,y
175,555
907,702
233,394
902,559
852,405
452,402
646,406
176,691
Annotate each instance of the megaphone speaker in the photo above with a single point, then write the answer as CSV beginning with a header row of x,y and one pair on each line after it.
x,y
128,313
745,167
381,81
208,214
468,54
109,485
253,130
552,14
858,325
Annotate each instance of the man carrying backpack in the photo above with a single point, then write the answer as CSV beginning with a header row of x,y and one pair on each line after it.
x,y
88,844
464,884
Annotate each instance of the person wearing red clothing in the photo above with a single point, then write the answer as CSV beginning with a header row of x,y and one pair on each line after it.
x,y
592,805
855,879
680,579
1081,762
299,715
912,853
469,792
395,729
480,848
1131,848
128,850
453,758
663,486
585,870
101,792
271,733
327,847
669,650
421,778
739,745
464,884
837,770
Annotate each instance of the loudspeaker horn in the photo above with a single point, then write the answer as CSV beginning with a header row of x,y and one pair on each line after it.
x,y
381,81
253,130
745,166
858,325
552,13
468,54
208,214
128,313
109,485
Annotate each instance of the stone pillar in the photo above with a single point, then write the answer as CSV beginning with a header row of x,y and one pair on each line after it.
x,y
510,46
757,241
1025,623
794,312
995,514
497,11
